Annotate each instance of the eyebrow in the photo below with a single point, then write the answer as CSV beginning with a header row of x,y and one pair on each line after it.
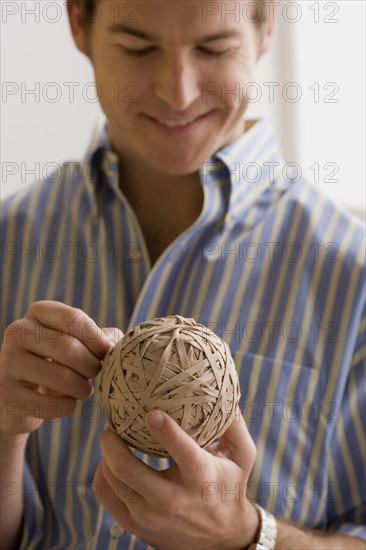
x,y
121,28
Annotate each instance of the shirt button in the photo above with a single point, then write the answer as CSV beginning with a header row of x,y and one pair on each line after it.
x,y
115,530
229,223
137,255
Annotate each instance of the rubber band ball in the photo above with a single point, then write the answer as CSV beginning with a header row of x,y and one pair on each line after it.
x,y
178,366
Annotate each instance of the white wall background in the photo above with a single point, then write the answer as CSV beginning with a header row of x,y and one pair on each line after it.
x,y
318,46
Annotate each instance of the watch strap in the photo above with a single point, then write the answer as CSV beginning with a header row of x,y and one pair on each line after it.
x,y
266,539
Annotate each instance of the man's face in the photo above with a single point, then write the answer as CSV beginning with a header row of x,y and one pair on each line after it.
x,y
172,61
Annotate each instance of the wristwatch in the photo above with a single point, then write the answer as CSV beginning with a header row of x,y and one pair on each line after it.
x,y
266,539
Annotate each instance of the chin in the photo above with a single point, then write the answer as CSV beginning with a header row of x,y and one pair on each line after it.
x,y
176,166
177,171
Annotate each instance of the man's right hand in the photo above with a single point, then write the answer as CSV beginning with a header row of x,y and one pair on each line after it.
x,y
47,361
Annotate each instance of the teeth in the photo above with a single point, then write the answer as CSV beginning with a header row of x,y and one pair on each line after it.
x,y
174,124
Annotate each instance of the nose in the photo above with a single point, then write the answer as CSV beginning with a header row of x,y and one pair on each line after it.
x,y
176,82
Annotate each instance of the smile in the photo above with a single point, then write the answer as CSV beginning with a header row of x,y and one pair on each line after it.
x,y
178,127
175,123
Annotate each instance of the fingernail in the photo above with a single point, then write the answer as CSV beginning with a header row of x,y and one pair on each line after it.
x,y
156,419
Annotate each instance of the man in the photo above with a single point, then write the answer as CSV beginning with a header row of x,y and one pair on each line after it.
x,y
159,219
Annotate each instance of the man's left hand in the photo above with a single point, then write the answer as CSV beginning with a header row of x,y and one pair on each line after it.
x,y
198,503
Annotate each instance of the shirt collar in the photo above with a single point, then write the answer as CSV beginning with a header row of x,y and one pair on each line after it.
x,y
251,164
99,140
101,165
248,165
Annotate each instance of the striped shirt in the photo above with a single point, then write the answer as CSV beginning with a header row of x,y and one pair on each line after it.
x,y
271,265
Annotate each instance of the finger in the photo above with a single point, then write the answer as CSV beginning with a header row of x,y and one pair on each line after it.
x,y
31,404
236,442
53,376
113,334
106,496
128,468
60,347
183,449
73,322
125,492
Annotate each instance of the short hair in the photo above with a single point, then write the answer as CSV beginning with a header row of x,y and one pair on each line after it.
x,y
88,9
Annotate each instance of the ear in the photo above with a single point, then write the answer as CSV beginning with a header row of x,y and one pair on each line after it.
x,y
77,27
267,38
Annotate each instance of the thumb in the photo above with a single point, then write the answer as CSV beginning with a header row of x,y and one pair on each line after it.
x,y
180,446
113,334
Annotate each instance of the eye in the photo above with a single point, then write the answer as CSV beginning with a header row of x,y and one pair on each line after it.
x,y
142,52
213,53
147,51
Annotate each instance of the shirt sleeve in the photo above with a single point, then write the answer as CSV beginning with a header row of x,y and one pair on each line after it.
x,y
347,484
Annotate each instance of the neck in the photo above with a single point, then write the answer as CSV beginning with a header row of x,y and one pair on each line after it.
x,y
165,206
